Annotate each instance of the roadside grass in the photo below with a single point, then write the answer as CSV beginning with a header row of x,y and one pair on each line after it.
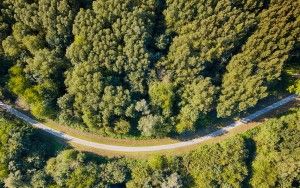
x,y
93,137
213,125
108,140
172,152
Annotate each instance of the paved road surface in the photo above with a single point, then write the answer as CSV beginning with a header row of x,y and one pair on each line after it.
x,y
82,142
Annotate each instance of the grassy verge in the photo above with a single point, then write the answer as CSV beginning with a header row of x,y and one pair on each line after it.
x,y
108,140
90,136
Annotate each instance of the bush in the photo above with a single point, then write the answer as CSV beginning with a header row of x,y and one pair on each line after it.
x,y
153,125
122,127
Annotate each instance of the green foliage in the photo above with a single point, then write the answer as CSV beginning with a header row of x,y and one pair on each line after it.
x,y
44,65
162,95
4,132
57,18
20,158
197,100
61,167
122,127
115,172
118,42
219,165
295,87
39,179
110,45
157,162
278,153
84,176
158,171
40,33
91,99
18,83
153,125
33,44
251,72
11,47
206,32
74,169
36,77
4,63
40,97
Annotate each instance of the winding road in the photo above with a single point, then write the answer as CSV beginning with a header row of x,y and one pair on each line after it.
x,y
198,140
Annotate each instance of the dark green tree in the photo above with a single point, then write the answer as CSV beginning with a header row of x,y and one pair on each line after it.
x,y
251,73
219,165
198,98
278,154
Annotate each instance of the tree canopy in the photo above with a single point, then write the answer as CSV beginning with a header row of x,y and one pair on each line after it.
x,y
145,68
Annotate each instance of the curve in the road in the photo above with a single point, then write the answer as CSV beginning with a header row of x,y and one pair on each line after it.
x,y
86,143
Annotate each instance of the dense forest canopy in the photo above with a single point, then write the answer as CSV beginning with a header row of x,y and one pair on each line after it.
x,y
267,156
148,67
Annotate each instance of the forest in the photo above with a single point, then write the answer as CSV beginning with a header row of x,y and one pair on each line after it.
x,y
149,68
267,156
